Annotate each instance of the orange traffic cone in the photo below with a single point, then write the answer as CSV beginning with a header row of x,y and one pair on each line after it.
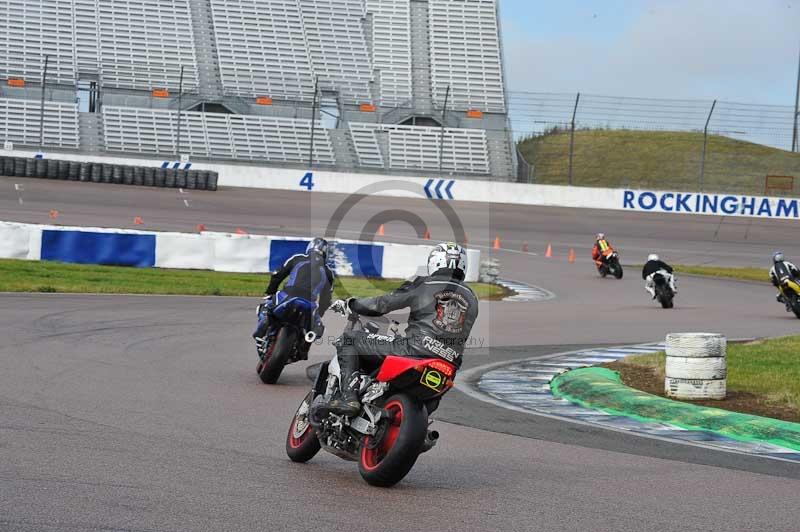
x,y
427,234
524,247
53,214
240,231
496,244
571,256
381,231
549,252
138,221
200,228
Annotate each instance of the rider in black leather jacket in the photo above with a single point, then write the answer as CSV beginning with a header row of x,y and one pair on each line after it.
x,y
443,310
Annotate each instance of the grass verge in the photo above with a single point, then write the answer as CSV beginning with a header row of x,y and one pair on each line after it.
x,y
763,377
742,274
667,160
45,276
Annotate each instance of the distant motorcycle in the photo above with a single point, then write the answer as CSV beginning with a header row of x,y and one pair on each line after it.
x,y
391,430
790,293
610,264
664,292
294,325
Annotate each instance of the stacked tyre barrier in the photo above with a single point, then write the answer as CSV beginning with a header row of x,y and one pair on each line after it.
x,y
696,367
147,176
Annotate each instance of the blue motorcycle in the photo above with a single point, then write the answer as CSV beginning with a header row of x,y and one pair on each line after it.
x,y
292,325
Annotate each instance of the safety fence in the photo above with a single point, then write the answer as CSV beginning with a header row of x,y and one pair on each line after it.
x,y
224,252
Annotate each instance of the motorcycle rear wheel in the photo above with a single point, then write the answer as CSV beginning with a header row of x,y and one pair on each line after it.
x,y
302,443
386,462
272,367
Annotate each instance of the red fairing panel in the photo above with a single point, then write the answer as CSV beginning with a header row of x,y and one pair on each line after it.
x,y
394,366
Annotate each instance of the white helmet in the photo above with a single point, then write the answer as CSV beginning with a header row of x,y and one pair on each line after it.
x,y
600,236
447,255
652,256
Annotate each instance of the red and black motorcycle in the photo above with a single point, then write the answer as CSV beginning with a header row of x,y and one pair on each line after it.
x,y
391,430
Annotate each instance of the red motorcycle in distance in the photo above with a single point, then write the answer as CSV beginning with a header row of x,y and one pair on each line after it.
x,y
391,430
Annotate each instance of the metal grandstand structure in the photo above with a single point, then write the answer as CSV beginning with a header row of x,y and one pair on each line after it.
x,y
409,86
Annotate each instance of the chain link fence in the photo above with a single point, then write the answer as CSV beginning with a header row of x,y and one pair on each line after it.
x,y
714,146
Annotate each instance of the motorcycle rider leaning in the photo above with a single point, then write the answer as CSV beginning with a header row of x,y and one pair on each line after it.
x,y
309,278
781,268
653,266
601,246
443,310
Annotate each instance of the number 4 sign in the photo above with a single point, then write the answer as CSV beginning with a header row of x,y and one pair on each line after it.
x,y
307,181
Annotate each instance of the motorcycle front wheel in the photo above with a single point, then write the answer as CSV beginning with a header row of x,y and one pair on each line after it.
x,y
302,443
794,302
618,271
277,354
387,457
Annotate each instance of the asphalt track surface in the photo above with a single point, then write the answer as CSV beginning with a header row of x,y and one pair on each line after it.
x,y
145,413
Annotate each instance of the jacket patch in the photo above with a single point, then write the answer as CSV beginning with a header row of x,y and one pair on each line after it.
x,y
451,311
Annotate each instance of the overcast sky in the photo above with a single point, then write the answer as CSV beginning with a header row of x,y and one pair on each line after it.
x,y
734,50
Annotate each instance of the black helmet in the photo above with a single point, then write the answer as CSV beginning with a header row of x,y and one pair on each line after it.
x,y
318,246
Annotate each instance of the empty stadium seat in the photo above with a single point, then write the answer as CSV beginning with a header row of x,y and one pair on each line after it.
x,y
31,29
418,148
20,119
129,129
391,49
132,45
465,54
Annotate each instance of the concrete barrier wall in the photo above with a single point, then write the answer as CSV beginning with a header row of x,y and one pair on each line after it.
x,y
454,189
207,251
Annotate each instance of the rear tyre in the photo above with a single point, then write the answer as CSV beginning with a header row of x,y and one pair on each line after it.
x,y
301,441
386,461
277,354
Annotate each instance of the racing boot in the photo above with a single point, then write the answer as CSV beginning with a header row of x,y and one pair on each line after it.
x,y
347,405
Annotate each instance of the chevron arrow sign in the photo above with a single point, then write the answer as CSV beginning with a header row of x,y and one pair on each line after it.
x,y
439,188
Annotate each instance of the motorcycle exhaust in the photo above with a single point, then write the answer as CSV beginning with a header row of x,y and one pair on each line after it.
x,y
431,438
311,336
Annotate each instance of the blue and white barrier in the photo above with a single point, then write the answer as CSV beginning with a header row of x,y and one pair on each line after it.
x,y
224,252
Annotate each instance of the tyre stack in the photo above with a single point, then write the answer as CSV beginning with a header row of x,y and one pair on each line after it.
x,y
118,174
696,366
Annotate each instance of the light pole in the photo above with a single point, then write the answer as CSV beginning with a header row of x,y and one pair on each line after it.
x,y
796,102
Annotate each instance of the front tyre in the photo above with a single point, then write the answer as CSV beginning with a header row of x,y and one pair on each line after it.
x,y
386,460
277,354
617,270
301,441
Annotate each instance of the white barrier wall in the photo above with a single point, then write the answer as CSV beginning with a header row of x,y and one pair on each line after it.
x,y
14,241
234,175
205,251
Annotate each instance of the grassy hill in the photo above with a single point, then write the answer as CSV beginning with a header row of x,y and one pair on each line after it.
x,y
657,159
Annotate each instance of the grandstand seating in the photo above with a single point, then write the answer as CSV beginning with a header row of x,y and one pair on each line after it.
x,y
20,119
336,46
391,49
144,43
31,29
262,48
129,129
465,54
134,45
276,47
418,148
